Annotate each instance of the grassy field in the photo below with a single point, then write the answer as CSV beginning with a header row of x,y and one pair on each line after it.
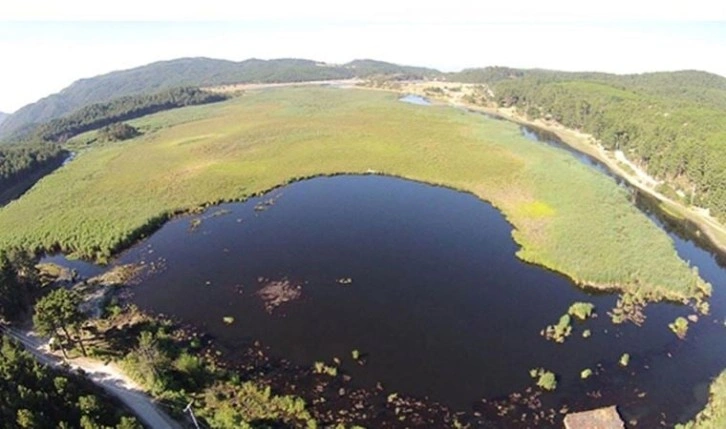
x,y
567,216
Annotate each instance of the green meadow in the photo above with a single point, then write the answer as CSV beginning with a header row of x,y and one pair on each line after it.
x,y
566,216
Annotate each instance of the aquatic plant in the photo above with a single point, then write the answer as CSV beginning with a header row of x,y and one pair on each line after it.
x,y
560,331
585,373
203,155
355,354
547,380
275,293
624,359
581,310
586,333
629,308
322,368
679,327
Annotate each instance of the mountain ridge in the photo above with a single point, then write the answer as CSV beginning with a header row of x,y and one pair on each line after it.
x,y
192,71
688,85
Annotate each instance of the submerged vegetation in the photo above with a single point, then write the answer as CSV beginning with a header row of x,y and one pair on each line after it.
x,y
239,148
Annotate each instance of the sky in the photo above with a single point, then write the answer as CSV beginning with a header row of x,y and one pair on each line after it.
x,y
45,45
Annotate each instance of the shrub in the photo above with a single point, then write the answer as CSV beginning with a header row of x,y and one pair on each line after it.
x,y
679,327
547,380
560,331
581,310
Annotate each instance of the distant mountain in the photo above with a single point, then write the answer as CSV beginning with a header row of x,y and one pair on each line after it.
x,y
193,72
366,68
3,116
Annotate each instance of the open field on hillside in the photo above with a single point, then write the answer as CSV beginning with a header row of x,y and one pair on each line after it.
x,y
567,216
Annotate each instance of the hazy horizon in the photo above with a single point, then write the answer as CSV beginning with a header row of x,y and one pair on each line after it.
x,y
43,57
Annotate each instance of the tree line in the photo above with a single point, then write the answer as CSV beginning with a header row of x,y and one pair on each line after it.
x,y
36,396
677,132
120,109
18,161
33,395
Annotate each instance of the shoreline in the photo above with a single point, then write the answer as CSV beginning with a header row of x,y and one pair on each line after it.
x,y
582,277
587,144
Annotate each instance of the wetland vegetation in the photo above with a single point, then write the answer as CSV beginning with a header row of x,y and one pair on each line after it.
x,y
239,148
567,217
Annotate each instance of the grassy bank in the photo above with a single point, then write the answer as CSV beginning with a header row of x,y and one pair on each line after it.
x,y
714,415
567,216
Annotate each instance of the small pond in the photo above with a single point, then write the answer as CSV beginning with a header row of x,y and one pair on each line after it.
x,y
415,99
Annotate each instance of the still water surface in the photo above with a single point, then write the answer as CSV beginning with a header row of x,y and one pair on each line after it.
x,y
438,300
438,303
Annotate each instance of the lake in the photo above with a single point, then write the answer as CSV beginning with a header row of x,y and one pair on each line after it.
x,y
437,300
424,281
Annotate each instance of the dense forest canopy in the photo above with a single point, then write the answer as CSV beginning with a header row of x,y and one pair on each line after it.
x,y
164,75
19,160
672,123
36,396
120,109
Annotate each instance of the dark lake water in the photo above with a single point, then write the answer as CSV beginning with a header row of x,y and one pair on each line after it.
x,y
438,302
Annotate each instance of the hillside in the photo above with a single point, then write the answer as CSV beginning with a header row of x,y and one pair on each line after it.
x,y
673,124
192,72
3,116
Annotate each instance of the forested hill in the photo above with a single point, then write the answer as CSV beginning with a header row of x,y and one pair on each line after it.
x,y
163,75
672,123
98,115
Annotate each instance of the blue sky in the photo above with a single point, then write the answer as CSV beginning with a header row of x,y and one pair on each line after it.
x,y
42,57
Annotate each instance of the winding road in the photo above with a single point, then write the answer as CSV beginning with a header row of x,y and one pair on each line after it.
x,y
109,377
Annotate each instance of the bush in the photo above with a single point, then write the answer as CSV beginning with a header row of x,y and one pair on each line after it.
x,y
581,310
547,380
560,331
679,327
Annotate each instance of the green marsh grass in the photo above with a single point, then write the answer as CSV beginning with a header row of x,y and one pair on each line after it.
x,y
567,216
